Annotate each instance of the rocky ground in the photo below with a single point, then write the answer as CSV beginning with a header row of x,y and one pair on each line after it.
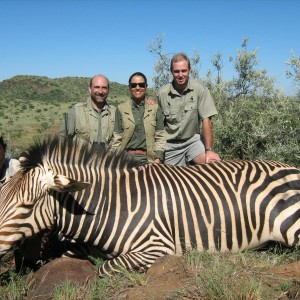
x,y
166,275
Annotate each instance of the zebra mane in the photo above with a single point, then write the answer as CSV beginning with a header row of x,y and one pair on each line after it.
x,y
66,150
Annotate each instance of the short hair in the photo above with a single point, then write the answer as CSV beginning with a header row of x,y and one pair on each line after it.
x,y
137,74
2,143
91,80
179,57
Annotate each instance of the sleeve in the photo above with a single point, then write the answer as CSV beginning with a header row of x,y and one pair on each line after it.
x,y
118,121
206,105
118,131
160,136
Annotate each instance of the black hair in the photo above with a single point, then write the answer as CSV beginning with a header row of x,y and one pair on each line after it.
x,y
137,74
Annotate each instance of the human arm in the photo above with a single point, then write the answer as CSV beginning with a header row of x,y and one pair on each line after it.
x,y
207,110
160,137
118,131
210,155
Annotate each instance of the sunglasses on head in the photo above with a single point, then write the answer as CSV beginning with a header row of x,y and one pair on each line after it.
x,y
140,84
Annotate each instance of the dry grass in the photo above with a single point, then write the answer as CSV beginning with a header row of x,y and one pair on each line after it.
x,y
210,277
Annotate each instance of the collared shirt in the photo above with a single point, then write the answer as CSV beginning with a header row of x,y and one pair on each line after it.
x,y
184,112
140,127
138,139
102,119
84,122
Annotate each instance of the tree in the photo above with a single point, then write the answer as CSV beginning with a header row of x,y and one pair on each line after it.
x,y
162,66
294,72
195,64
162,74
250,81
216,85
217,62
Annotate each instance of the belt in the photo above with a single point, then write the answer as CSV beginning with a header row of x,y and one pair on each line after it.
x,y
137,151
177,141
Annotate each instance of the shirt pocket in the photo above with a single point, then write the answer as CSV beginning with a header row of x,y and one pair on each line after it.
x,y
82,133
151,128
172,114
150,116
125,126
191,111
83,129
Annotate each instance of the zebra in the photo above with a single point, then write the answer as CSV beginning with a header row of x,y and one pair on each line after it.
x,y
133,214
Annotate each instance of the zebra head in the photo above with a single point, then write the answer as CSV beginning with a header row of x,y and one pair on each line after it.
x,y
27,202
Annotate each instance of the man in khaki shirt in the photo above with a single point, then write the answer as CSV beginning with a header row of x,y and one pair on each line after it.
x,y
188,108
93,120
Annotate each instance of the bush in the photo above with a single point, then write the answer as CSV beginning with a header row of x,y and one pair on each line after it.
x,y
258,128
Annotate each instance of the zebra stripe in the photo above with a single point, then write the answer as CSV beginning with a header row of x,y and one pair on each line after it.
x,y
134,214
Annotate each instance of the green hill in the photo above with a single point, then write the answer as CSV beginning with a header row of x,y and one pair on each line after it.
x,y
41,88
32,107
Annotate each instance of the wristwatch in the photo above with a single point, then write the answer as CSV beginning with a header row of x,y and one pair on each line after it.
x,y
208,149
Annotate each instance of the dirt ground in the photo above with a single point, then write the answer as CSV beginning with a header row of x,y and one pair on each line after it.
x,y
168,274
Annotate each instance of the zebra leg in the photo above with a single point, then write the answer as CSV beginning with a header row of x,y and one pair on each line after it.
x,y
138,261
28,253
82,251
287,230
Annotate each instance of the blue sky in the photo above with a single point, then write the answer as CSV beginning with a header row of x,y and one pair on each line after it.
x,y
58,38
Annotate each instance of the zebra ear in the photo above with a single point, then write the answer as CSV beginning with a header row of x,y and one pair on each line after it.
x,y
66,184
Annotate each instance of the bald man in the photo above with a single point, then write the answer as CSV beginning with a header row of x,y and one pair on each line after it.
x,y
93,120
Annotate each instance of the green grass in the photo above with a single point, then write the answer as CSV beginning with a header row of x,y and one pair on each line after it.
x,y
243,129
13,287
236,276
32,107
101,289
212,277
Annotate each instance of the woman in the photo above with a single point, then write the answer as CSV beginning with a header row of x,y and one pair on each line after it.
x,y
139,125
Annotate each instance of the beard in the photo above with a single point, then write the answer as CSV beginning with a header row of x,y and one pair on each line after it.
x,y
98,99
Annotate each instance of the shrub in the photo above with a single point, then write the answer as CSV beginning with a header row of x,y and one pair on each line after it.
x,y
258,128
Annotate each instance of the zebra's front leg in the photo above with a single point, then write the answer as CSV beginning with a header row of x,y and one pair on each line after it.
x,y
133,261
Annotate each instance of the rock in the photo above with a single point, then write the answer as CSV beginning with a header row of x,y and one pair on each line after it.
x,y
166,274
42,283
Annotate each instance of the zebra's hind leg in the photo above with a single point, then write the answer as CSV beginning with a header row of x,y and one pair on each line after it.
x,y
286,228
132,261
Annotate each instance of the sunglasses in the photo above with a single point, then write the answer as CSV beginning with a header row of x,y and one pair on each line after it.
x,y
140,84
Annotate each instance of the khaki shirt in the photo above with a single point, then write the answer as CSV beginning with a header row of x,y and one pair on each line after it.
x,y
184,113
138,138
84,122
146,130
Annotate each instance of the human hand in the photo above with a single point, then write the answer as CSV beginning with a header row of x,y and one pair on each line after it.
x,y
151,101
211,156
157,161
